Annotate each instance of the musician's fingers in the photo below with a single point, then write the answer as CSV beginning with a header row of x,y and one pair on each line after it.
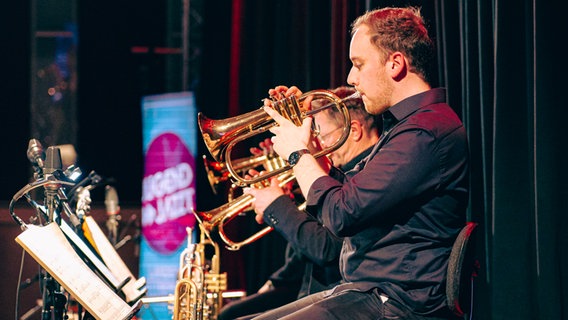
x,y
275,115
293,90
256,151
253,173
278,91
307,105
259,218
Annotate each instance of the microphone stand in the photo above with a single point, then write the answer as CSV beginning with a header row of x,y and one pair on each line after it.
x,y
49,175
46,174
54,300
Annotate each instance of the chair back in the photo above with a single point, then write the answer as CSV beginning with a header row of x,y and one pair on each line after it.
x,y
462,268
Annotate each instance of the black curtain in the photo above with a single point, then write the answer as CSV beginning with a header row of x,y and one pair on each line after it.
x,y
502,70
508,95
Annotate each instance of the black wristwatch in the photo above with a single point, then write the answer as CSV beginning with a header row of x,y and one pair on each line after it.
x,y
295,156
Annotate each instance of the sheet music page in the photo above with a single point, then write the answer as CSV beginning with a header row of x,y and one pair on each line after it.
x,y
49,247
114,262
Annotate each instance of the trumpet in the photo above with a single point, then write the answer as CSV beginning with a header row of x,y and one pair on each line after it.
x,y
212,222
200,285
217,171
188,296
215,281
220,136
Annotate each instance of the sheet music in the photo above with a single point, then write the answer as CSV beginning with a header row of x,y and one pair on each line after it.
x,y
49,247
90,255
114,262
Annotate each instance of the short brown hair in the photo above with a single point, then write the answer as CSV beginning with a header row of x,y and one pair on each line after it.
x,y
403,30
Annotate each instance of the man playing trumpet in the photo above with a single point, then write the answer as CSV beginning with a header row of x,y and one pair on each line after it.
x,y
311,263
401,208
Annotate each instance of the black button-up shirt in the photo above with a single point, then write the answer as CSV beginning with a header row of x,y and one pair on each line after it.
x,y
311,247
400,209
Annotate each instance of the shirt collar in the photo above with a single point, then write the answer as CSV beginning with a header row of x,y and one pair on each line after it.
x,y
351,164
409,105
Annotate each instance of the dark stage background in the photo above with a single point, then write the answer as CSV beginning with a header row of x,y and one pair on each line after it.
x,y
501,61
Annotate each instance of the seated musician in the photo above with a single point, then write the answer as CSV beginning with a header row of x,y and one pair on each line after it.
x,y
311,259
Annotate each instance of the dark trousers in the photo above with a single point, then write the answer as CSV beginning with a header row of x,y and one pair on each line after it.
x,y
352,305
257,303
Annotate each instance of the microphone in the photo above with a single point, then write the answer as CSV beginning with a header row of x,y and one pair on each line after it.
x,y
53,160
36,155
112,209
52,166
111,201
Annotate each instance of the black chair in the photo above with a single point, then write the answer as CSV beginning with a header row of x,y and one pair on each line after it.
x,y
462,269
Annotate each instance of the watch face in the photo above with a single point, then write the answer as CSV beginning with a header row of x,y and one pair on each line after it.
x,y
296,155
293,158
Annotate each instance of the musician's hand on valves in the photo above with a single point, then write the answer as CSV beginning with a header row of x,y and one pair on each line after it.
x,y
263,197
281,92
287,137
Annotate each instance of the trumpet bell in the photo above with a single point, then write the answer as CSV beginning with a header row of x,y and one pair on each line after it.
x,y
220,136
218,133
217,171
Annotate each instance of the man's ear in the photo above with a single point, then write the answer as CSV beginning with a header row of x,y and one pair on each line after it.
x,y
397,65
356,133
